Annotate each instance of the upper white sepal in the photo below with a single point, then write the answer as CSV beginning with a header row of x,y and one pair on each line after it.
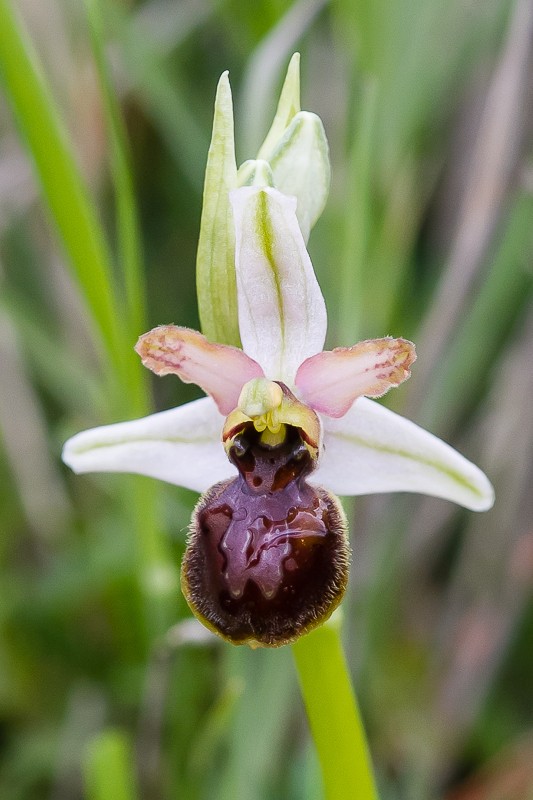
x,y
282,315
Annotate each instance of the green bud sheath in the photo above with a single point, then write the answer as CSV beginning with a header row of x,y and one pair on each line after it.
x,y
215,263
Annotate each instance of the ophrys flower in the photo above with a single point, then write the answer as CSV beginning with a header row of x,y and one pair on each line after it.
x,y
283,426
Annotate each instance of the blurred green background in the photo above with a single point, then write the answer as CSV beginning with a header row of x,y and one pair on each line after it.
x,y
107,690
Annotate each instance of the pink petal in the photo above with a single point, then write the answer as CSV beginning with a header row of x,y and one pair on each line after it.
x,y
219,369
331,381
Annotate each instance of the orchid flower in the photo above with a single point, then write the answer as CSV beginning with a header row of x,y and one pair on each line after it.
x,y
285,425
268,556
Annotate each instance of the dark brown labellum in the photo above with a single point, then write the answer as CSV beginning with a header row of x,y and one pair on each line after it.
x,y
268,555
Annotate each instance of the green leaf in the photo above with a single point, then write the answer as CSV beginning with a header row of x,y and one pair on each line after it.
x,y
128,233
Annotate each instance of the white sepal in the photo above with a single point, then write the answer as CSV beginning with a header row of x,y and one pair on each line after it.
x,y
181,446
372,449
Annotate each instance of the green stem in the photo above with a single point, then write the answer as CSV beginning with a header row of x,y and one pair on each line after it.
x,y
334,715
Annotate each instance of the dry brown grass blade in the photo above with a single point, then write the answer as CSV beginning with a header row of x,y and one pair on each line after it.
x,y
509,776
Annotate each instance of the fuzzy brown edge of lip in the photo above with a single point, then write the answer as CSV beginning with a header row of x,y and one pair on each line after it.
x,y
343,560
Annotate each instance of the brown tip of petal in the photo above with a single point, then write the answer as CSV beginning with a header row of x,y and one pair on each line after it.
x,y
403,354
160,349
234,424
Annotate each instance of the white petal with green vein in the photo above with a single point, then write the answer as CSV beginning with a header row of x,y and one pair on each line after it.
x,y
372,449
282,315
181,446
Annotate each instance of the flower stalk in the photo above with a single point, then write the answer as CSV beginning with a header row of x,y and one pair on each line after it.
x,y
333,713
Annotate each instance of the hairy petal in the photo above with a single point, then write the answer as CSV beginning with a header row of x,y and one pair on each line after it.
x,y
220,370
282,315
181,446
371,450
331,381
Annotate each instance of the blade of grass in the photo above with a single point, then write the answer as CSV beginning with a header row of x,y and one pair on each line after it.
x,y
164,97
62,185
156,572
268,685
265,68
88,251
496,303
68,382
129,239
493,163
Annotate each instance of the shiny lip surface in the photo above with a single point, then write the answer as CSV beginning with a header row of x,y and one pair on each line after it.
x,y
268,555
